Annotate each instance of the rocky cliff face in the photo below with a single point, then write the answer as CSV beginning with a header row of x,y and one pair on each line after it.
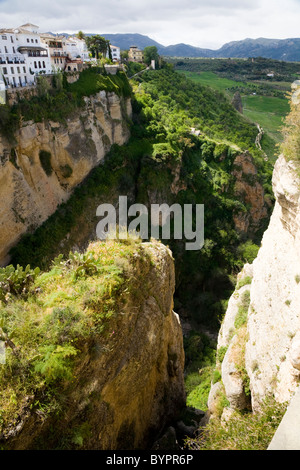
x,y
50,159
260,334
128,383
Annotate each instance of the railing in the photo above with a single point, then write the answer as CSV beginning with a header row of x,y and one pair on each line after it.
x,y
11,59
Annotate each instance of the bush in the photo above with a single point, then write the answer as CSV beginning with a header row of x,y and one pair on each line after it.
x,y
16,281
45,159
244,431
55,362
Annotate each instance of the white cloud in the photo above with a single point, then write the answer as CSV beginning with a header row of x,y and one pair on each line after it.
x,y
203,23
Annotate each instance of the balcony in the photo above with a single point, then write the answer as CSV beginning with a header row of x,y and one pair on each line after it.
x,y
41,53
12,59
59,54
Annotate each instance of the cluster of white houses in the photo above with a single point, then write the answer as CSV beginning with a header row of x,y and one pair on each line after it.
x,y
26,53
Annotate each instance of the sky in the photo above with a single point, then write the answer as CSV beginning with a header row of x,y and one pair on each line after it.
x,y
201,23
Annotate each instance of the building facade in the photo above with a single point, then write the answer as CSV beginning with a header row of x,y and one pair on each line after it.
x,y
135,54
115,53
76,48
22,56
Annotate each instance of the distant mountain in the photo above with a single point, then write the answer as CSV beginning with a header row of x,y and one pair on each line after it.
x,y
184,50
124,41
280,49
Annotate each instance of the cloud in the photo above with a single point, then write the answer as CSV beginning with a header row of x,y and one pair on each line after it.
x,y
203,23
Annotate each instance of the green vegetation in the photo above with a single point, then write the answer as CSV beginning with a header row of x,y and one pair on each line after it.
x,y
45,159
54,313
58,101
97,44
165,107
212,80
268,111
241,317
49,318
200,358
263,84
291,132
243,431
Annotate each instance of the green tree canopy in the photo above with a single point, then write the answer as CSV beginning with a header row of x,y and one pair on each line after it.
x,y
150,53
80,35
97,45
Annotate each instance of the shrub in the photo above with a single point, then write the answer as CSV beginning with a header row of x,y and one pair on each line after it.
x,y
243,431
55,363
16,281
45,159
242,314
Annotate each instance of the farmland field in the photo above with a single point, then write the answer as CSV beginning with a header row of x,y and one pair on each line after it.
x,y
267,111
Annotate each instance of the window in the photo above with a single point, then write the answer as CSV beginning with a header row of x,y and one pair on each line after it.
x,y
44,65
39,65
36,41
4,70
24,69
5,48
18,69
31,40
14,51
27,40
12,70
11,38
35,66
4,37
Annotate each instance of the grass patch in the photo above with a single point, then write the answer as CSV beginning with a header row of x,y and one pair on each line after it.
x,y
243,431
61,312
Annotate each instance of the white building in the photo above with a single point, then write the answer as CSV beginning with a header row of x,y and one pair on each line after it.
x,y
29,44
55,46
115,53
21,56
76,48
13,69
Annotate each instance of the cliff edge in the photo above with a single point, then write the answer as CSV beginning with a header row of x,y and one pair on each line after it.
x,y
259,339
49,159
102,366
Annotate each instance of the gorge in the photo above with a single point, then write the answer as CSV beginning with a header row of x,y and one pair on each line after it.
x,y
105,310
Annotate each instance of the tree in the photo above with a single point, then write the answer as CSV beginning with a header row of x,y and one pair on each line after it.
x,y
97,45
80,35
150,53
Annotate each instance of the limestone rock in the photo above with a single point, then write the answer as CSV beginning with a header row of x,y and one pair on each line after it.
x,y
29,194
129,383
271,355
232,380
250,191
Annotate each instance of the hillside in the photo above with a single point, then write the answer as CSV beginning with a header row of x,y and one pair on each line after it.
x,y
279,49
109,305
95,330
258,357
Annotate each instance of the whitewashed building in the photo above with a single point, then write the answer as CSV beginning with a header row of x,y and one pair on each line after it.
x,y
22,56
36,56
55,46
76,48
115,53
13,69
